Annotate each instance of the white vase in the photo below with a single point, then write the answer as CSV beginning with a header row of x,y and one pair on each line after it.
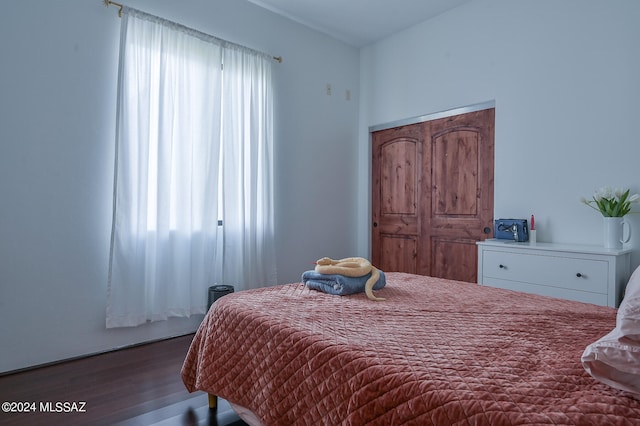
x,y
614,232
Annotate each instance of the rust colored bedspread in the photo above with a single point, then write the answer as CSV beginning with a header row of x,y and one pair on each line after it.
x,y
435,352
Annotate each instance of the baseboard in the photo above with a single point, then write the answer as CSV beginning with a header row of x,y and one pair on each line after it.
x,y
119,348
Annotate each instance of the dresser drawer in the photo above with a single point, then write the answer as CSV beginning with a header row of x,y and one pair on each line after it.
x,y
545,290
553,271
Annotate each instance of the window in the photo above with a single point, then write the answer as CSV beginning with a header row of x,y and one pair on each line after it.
x,y
194,146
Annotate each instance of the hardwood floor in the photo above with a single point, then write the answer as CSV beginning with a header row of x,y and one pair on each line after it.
x,y
133,386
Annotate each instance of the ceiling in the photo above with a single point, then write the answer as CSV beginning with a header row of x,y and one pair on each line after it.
x,y
359,22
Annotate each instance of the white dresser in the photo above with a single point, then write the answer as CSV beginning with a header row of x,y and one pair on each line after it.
x,y
589,274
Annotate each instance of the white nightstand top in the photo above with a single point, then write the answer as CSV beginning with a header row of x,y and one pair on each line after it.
x,y
576,248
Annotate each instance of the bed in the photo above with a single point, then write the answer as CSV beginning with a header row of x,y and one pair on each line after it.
x,y
435,352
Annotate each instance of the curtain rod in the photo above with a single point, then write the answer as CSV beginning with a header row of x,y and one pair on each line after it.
x,y
120,6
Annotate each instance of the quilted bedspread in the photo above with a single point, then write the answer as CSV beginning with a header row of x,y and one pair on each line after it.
x,y
435,352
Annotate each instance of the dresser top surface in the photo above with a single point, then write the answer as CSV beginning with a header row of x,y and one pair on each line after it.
x,y
576,248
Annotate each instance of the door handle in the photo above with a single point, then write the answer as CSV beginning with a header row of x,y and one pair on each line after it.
x,y
375,224
486,230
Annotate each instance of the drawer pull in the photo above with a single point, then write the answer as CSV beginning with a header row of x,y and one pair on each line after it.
x,y
579,275
501,266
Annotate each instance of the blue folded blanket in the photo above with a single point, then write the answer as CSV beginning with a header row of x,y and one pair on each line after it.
x,y
339,284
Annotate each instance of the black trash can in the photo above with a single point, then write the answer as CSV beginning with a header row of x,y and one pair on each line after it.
x,y
217,291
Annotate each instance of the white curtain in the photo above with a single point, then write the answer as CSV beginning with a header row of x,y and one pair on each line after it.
x,y
246,170
194,146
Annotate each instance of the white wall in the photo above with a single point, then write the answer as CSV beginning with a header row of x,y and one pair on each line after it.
x,y
57,119
565,77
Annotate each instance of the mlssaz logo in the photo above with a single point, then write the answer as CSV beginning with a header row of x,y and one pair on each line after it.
x,y
63,407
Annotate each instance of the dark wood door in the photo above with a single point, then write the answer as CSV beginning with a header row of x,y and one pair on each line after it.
x,y
433,195
397,198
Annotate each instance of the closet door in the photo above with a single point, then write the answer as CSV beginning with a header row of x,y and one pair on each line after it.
x,y
433,195
397,199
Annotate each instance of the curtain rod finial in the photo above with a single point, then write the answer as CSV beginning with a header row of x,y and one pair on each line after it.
x,y
108,3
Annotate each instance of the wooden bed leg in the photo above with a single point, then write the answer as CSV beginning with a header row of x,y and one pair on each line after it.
x,y
213,402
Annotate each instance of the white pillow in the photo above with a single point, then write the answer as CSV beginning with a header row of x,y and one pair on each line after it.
x,y
615,358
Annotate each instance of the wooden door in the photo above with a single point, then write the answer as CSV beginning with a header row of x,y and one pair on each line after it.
x,y
433,195
397,197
